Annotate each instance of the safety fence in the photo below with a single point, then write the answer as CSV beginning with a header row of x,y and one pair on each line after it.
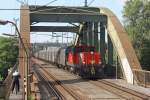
x,y
5,87
142,77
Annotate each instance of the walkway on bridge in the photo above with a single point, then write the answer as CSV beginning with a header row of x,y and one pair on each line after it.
x,y
18,96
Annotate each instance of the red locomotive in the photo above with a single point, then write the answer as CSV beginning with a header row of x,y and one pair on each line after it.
x,y
83,60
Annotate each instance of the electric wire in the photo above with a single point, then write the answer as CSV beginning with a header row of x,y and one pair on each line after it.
x,y
13,9
84,10
46,4
50,2
90,2
29,9
40,10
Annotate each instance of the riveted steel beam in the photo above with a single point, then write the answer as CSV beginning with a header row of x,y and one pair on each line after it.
x,y
54,29
66,17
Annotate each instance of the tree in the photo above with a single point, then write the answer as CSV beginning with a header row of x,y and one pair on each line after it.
x,y
137,24
8,54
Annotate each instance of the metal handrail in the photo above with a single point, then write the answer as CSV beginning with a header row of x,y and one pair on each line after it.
x,y
142,77
8,82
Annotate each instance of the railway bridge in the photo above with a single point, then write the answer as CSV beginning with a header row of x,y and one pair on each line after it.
x,y
92,21
93,26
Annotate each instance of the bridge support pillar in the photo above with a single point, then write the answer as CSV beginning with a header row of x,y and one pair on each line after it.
x,y
24,61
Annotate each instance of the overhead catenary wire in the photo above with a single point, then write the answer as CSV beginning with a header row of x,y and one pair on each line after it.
x,y
85,3
12,9
29,9
90,2
50,2
46,4
40,10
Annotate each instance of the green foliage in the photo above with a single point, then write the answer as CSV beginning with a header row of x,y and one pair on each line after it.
x,y
137,24
8,53
1,78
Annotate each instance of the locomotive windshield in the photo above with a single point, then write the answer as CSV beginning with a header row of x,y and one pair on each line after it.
x,y
80,49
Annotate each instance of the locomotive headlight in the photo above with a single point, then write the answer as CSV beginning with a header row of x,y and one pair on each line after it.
x,y
100,62
92,52
83,62
92,62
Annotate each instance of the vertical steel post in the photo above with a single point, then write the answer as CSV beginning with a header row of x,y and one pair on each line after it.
x,y
117,67
95,33
144,79
62,37
81,34
89,33
110,51
102,41
85,3
85,34
81,37
24,61
67,39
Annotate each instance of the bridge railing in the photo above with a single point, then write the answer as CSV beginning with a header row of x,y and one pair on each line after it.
x,y
142,77
2,91
6,86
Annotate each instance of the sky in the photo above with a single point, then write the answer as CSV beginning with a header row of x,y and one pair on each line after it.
x,y
115,5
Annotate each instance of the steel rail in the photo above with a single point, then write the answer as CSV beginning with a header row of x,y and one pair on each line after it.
x,y
49,87
123,92
131,91
109,89
70,91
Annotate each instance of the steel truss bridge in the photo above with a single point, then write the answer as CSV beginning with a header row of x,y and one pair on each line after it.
x,y
91,21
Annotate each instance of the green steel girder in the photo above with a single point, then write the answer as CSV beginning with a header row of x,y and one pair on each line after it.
x,y
62,9
96,42
102,41
65,14
89,34
54,29
110,51
85,33
66,17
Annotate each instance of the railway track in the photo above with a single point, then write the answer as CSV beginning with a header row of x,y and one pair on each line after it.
x,y
123,92
48,90
118,90
66,92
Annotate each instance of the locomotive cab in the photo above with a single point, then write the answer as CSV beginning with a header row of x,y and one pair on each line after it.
x,y
85,60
